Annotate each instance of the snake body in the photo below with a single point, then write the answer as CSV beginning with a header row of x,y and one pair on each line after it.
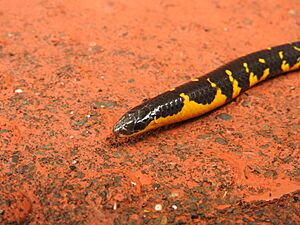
x,y
210,91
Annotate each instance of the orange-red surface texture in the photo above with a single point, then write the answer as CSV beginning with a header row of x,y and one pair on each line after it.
x,y
70,69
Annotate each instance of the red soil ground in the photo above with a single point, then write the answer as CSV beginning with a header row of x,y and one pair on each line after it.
x,y
70,69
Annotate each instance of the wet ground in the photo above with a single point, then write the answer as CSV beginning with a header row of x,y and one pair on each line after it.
x,y
68,71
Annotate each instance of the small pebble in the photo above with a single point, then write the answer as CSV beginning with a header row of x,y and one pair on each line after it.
x,y
158,207
115,206
174,194
224,116
15,159
245,104
264,146
164,220
174,207
104,104
130,80
204,137
156,186
19,91
221,141
72,167
70,187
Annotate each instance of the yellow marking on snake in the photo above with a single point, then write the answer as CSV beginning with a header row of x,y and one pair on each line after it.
x,y
246,67
261,60
297,65
280,54
269,48
172,89
189,110
286,67
253,79
194,79
235,85
296,48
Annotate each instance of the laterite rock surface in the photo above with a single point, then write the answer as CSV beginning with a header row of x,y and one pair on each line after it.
x,y
69,70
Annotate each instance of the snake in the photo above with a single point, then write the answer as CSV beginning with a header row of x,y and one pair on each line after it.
x,y
210,91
